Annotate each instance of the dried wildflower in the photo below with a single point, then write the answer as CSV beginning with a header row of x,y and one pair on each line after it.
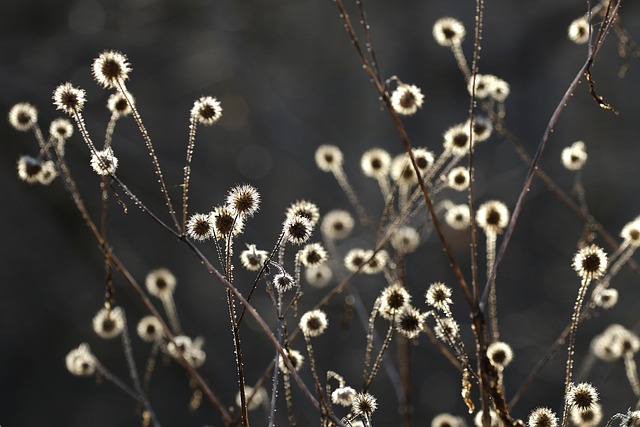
x,y
582,396
47,173
118,104
319,276
354,259
393,299
402,170
630,419
495,419
343,396
226,223
590,262
313,255
283,282
104,162
61,129
542,417
298,229
606,298
306,209
255,397
243,200
492,216
448,32
200,227
575,156
482,129
406,99
29,169
375,262
80,361
109,323
459,178
337,224
499,90
375,163
23,116
631,232
499,354
410,322
405,240
313,323
439,296
206,110
110,69
458,217
329,158
252,258
190,349
424,159
447,420
364,405
68,98
456,140
578,31
150,329
160,282
614,342
296,359
446,328
588,418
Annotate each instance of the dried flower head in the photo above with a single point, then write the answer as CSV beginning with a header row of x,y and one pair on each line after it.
x,y
364,405
446,328
578,31
343,396
118,104
313,255
109,324
631,232
255,397
319,276
588,418
406,99
438,296
375,163
499,90
492,216
200,227
283,282
483,85
298,229
610,345
499,354
23,116
448,32
190,349
424,159
243,200
459,178
150,329
160,282
542,417
104,162
48,172
630,419
354,259
375,262
456,140
252,258
68,98
306,209
296,359
606,298
410,322
590,262
226,223
582,396
575,156
110,69
447,420
495,419
482,128
61,129
29,169
405,240
337,224
402,170
458,217
313,323
80,361
393,299
329,158
206,110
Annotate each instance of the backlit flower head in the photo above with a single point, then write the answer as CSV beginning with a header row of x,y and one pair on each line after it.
x,y
319,276
149,329
343,396
582,396
364,405
68,98
588,418
405,240
313,255
402,170
458,217
424,159
499,354
80,361
590,262
109,324
482,128
606,298
447,420
375,163
354,259
118,104
61,129
255,397
542,417
375,263
492,216
191,350
329,158
313,323
406,99
631,232
48,172
243,200
575,156
200,227
483,85
206,110
393,299
110,68
448,31
459,178
296,359
306,209
337,224
226,223
29,169
578,31
160,282
23,116
446,328
439,296
252,258
410,322
104,162
456,140
283,282
298,229
499,90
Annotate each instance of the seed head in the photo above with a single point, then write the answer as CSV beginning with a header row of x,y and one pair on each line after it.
x,y
406,99
160,282
313,255
375,163
206,110
298,229
447,420
23,116
375,263
459,178
446,328
402,170
329,158
542,417
255,397
439,296
458,217
253,259
313,323
606,298
578,31
68,98
109,324
499,354
337,225
319,276
410,322
393,299
200,227
296,359
306,209
448,32
283,282
48,172
456,140
226,222
104,162
575,156
405,240
483,85
110,69
590,262
118,104
492,216
149,329
61,129
631,232
364,404
29,169
589,418
80,361
343,396
243,200
354,259
582,396
191,350
482,128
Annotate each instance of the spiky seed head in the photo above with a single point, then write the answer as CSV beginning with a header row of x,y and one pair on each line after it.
x,y
206,110
110,69
329,158
406,99
590,262
23,116
69,99
243,200
200,227
313,323
337,224
582,396
109,324
499,354
160,282
149,329
542,417
448,32
118,104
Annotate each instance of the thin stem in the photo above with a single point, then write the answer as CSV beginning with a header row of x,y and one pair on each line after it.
x,y
376,364
172,313
493,299
187,170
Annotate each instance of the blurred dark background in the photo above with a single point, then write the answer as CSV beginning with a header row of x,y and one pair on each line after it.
x,y
289,80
